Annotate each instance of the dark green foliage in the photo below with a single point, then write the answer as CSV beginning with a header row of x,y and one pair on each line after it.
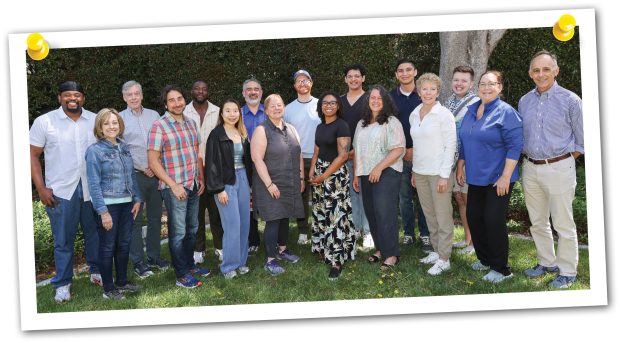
x,y
514,51
224,66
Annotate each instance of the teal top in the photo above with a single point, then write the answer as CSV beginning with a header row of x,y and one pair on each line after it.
x,y
238,155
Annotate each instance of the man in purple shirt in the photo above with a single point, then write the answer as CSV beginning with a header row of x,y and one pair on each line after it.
x,y
253,114
553,139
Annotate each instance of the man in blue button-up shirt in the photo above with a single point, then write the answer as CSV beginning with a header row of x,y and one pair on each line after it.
x,y
553,138
253,115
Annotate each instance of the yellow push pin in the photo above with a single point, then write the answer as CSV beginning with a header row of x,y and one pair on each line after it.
x,y
564,28
38,48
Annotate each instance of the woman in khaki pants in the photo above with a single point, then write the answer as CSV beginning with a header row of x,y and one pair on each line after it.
x,y
434,144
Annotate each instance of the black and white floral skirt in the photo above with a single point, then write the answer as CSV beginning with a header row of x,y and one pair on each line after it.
x,y
333,233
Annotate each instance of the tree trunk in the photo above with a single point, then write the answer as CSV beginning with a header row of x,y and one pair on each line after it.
x,y
472,48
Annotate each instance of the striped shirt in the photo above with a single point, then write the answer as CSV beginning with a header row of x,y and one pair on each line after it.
x,y
178,143
552,123
136,135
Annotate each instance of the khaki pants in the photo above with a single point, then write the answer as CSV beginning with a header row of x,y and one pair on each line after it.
x,y
549,189
437,209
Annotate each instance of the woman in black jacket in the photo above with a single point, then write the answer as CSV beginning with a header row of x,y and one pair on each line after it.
x,y
228,173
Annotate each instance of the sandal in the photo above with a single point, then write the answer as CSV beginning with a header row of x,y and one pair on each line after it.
x,y
374,259
386,266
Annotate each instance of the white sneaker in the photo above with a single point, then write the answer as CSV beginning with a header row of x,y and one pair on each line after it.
x,y
459,245
368,243
303,239
63,293
439,267
467,250
219,254
243,270
96,279
431,258
478,266
198,257
496,277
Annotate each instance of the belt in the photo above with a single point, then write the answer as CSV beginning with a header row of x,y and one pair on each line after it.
x,y
550,160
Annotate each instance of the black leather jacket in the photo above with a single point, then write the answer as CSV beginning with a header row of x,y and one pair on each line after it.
x,y
219,164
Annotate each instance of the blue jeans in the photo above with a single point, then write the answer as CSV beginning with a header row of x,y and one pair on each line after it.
x,y
410,204
153,203
359,216
182,228
114,245
235,218
64,220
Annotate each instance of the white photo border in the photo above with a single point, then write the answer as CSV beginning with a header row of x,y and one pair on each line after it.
x,y
595,296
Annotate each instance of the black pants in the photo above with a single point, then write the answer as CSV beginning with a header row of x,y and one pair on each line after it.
x,y
380,201
276,233
253,237
486,215
207,202
302,223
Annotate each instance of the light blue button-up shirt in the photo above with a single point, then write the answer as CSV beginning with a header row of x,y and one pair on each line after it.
x,y
552,123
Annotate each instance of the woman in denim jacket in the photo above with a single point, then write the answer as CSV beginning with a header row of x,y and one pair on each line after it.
x,y
116,200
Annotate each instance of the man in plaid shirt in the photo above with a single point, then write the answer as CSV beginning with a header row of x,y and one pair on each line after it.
x,y
173,157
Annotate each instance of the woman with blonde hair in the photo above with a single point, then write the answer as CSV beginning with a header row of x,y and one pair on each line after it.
x,y
434,144
116,200
278,182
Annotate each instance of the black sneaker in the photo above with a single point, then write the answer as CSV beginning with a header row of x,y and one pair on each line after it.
x,y
129,288
334,273
142,270
114,294
159,263
426,243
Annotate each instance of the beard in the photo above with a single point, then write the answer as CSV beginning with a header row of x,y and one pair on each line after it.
x,y
73,110
252,102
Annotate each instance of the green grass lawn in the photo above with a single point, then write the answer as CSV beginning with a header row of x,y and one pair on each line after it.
x,y
307,281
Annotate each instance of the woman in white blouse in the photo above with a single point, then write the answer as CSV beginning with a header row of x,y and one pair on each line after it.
x,y
434,144
379,145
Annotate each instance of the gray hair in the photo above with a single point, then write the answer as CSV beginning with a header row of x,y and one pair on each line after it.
x,y
545,52
250,80
130,84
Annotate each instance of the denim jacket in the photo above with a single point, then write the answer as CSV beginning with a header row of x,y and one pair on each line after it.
x,y
110,173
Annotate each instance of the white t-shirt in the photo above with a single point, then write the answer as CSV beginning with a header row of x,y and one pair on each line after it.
x,y
305,119
64,144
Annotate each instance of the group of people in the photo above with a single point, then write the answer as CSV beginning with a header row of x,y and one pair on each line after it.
x,y
359,159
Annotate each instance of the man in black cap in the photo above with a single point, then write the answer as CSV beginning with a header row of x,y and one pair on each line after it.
x,y
64,135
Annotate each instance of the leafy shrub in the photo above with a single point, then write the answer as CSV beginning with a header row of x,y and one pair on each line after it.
x,y
44,240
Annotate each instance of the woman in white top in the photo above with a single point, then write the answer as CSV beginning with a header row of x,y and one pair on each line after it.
x,y
434,144
379,145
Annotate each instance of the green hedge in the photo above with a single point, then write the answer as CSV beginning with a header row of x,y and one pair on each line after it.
x,y
225,65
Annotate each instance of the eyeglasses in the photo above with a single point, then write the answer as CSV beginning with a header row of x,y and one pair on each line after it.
x,y
304,82
329,103
490,84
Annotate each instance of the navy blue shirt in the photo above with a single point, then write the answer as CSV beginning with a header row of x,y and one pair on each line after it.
x,y
487,143
406,104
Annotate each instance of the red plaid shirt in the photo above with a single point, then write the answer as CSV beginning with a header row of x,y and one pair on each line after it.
x,y
178,144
